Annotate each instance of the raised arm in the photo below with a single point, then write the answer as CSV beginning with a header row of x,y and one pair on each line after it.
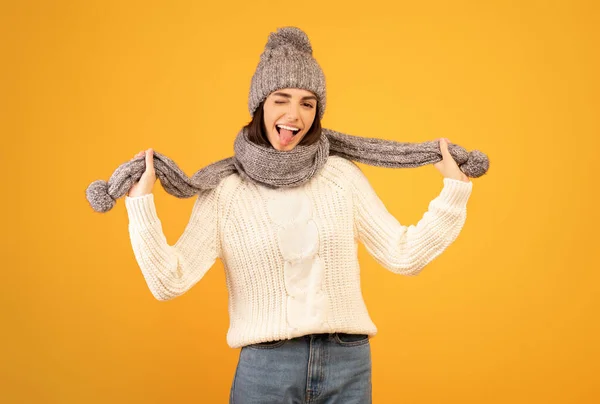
x,y
169,270
406,250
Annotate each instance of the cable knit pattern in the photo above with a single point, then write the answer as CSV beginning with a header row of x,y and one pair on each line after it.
x,y
290,254
298,239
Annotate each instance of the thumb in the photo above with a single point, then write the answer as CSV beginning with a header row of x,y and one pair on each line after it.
x,y
149,159
444,147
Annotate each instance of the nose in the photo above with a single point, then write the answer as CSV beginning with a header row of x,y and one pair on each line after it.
x,y
292,113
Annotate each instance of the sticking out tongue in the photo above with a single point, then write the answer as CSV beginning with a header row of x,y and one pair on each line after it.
x,y
285,136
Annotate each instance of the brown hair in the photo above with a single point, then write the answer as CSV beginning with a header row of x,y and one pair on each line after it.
x,y
257,132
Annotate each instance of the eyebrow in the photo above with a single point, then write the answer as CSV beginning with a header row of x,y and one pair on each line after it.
x,y
286,95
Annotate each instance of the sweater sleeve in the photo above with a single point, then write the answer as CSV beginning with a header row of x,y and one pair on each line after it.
x,y
406,250
171,270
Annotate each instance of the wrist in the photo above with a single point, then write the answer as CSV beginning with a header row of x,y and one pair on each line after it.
x,y
462,178
136,194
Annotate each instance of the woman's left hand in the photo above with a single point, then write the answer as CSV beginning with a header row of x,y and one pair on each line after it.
x,y
447,166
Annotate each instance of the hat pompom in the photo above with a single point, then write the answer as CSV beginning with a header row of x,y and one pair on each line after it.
x,y
287,37
98,196
477,164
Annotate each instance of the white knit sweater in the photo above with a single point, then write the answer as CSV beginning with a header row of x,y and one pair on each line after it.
x,y
290,255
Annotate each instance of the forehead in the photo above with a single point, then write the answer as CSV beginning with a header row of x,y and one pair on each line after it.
x,y
293,92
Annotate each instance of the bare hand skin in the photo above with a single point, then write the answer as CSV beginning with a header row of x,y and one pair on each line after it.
x,y
447,166
146,183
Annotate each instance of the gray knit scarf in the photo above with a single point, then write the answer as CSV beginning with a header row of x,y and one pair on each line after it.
x,y
279,169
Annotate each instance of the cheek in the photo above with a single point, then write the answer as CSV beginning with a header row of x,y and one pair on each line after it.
x,y
308,119
269,122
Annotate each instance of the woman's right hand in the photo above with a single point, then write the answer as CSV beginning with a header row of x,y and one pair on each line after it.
x,y
447,166
146,183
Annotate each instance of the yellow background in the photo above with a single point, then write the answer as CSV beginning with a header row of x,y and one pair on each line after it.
x,y
508,314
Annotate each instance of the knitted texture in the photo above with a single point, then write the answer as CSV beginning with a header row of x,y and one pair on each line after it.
x,y
287,62
273,168
290,254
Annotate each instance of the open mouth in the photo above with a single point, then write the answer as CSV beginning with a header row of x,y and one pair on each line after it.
x,y
291,129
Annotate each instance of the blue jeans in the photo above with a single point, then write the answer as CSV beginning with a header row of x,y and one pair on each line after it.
x,y
317,368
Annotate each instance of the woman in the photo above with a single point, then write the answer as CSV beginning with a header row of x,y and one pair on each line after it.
x,y
290,253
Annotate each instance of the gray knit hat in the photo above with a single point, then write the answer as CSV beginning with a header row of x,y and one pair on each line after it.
x,y
287,62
